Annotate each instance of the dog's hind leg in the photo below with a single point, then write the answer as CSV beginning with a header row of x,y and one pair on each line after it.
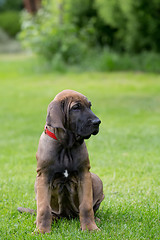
x,y
98,195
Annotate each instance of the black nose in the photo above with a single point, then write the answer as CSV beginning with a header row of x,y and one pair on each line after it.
x,y
96,122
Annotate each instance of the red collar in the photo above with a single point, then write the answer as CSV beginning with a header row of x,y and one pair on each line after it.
x,y
49,133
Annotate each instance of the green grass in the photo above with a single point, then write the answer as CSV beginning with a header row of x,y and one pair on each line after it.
x,y
125,153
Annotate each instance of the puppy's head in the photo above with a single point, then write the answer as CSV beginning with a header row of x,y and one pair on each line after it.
x,y
70,111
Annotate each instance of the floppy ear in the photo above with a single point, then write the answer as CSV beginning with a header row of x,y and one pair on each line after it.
x,y
55,115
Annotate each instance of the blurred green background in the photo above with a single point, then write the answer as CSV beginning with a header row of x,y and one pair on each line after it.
x,y
103,35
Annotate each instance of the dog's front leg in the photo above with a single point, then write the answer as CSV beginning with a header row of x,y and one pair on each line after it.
x,y
86,213
44,217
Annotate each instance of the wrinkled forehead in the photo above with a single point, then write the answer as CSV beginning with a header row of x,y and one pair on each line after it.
x,y
72,97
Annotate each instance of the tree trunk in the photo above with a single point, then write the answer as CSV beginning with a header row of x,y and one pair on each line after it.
x,y
32,6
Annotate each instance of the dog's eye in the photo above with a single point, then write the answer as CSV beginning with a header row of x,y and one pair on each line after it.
x,y
77,106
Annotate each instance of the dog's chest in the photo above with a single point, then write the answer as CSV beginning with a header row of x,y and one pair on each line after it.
x,y
66,168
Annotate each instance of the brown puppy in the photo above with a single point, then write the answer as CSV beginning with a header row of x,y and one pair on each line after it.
x,y
64,185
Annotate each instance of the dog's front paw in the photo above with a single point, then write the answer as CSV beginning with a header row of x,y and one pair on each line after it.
x,y
89,227
43,231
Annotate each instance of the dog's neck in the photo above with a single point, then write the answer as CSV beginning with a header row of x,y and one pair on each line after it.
x,y
67,138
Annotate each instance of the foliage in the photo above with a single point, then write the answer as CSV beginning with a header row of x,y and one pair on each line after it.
x,y
10,16
68,31
83,12
6,5
10,22
46,32
125,153
51,34
136,23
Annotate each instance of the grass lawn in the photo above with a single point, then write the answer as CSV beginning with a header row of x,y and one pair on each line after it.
x,y
125,153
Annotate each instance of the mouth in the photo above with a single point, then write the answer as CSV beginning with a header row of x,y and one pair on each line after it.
x,y
88,135
95,132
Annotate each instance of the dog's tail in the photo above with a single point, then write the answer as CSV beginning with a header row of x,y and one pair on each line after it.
x,y
27,210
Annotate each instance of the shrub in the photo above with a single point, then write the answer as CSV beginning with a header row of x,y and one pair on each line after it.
x,y
10,22
136,23
6,5
76,31
47,36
